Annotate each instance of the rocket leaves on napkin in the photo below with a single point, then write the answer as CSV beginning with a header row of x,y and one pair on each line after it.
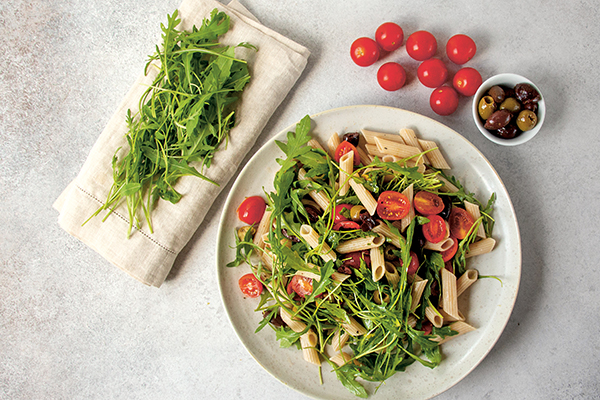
x,y
183,117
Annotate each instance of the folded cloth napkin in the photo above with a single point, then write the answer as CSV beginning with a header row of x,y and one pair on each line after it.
x,y
146,256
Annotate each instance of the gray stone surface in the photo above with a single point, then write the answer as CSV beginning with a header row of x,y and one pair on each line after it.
x,y
74,326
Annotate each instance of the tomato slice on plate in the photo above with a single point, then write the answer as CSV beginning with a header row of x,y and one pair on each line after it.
x,y
346,147
414,263
448,254
250,286
392,205
460,222
251,210
338,216
435,230
345,225
427,203
301,285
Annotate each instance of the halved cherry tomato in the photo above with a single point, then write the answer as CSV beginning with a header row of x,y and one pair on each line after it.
x,y
448,254
353,259
301,285
346,147
250,286
427,203
392,205
345,225
338,216
389,36
251,210
460,222
414,263
435,230
364,51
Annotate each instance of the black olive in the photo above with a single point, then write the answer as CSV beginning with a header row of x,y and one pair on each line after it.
x,y
313,213
498,119
352,138
497,93
293,238
507,132
445,213
368,223
527,93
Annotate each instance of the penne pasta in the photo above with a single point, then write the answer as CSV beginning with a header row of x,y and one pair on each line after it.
x,y
384,229
354,328
442,245
405,222
416,293
308,342
448,318
396,149
263,227
346,169
319,197
449,301
365,157
481,247
459,326
391,274
435,155
359,244
377,263
313,238
371,135
410,138
365,197
473,210
466,280
377,299
340,358
434,317
314,143
293,323
339,339
332,144
374,151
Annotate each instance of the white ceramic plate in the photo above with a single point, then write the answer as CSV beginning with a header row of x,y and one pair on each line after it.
x,y
487,304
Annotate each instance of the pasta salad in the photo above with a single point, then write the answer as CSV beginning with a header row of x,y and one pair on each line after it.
x,y
361,252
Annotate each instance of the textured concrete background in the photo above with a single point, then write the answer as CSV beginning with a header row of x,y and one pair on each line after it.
x,y
74,326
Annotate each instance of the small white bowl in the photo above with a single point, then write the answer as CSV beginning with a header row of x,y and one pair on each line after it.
x,y
509,80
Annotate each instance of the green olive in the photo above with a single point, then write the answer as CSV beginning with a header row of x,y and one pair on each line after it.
x,y
388,252
486,107
242,231
355,213
526,120
511,104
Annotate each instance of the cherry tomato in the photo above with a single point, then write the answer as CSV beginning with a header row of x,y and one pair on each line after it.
x,y
444,100
427,203
353,259
301,285
251,210
389,36
250,286
337,217
460,49
346,147
414,263
435,230
427,327
364,51
392,205
432,73
466,81
345,225
421,45
391,76
448,254
460,222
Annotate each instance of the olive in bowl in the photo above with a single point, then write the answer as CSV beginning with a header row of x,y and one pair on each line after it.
x,y
508,109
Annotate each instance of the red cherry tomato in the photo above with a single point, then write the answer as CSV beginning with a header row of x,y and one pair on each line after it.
x,y
353,259
432,73
345,225
389,36
444,100
301,285
414,263
448,254
421,45
392,205
427,203
364,51
435,230
466,81
460,222
250,286
460,49
346,147
427,327
251,210
391,76
338,212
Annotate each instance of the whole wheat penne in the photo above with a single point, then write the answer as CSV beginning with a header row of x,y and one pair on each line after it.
x,y
346,169
416,292
321,197
473,210
354,328
391,274
435,155
308,342
263,227
359,244
292,322
449,302
377,263
312,238
466,280
340,358
448,318
459,326
434,317
442,245
482,246
410,138
365,197
339,339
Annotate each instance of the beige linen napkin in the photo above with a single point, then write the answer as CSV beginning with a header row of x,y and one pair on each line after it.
x,y
146,256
